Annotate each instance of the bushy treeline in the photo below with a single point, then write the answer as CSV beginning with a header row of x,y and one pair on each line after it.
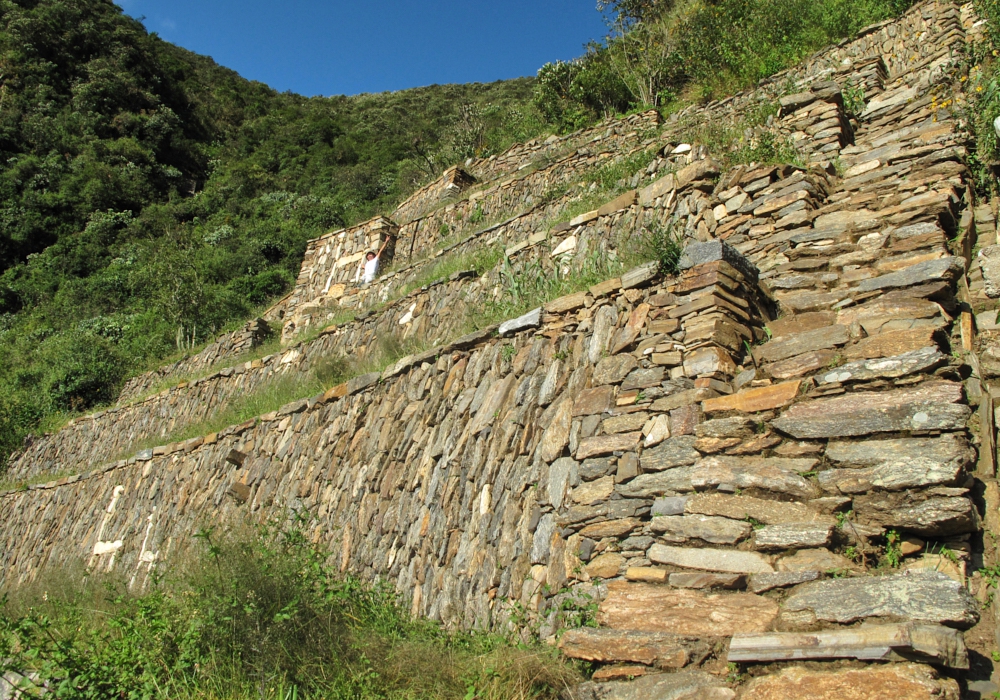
x,y
149,197
661,52
256,615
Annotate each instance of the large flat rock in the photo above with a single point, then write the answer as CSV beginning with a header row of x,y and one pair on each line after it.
x,y
937,516
707,559
891,475
902,641
925,596
908,681
927,406
951,448
759,509
792,536
616,646
681,528
673,452
947,269
908,363
650,607
799,343
769,474
687,685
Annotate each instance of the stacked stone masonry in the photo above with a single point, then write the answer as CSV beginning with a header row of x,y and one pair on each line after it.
x,y
713,458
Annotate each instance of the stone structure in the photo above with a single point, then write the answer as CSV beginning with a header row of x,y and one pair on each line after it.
x,y
716,458
223,351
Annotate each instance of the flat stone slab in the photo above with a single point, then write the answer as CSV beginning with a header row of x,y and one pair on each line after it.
x,y
947,269
620,646
892,475
686,685
673,452
897,642
532,319
700,253
926,596
903,365
799,343
724,560
759,583
650,607
952,448
759,509
681,528
792,536
928,406
770,474
899,681
699,580
934,517
666,483
763,398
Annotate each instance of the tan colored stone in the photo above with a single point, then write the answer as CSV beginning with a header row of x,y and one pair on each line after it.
x,y
593,401
590,492
815,560
647,574
556,436
611,528
570,302
892,343
606,444
649,607
764,398
746,507
605,565
900,681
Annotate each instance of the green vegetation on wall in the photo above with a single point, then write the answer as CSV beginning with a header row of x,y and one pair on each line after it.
x,y
661,52
260,614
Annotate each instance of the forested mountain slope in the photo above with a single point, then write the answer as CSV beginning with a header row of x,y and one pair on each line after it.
x,y
146,191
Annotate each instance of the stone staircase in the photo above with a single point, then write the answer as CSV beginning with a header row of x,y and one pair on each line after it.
x,y
772,475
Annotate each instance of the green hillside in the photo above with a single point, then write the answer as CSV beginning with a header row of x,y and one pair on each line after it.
x,y
146,191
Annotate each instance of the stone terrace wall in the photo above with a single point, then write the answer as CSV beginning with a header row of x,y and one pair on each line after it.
x,y
447,188
331,261
522,155
620,447
225,349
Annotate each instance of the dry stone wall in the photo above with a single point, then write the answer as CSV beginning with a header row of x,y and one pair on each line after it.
x,y
223,351
717,460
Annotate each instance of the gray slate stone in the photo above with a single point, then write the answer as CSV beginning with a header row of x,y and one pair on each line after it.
x,y
895,642
925,596
686,685
710,251
736,426
673,452
903,365
948,269
674,505
792,536
927,406
759,583
952,448
989,262
681,528
669,482
532,319
934,517
724,560
770,474
893,475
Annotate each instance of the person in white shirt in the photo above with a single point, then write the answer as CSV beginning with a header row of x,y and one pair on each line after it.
x,y
370,264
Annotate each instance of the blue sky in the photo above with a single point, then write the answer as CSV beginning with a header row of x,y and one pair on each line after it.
x,y
333,47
